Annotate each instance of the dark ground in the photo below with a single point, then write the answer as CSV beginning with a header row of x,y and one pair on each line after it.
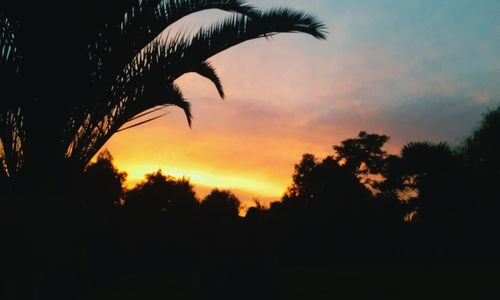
x,y
463,280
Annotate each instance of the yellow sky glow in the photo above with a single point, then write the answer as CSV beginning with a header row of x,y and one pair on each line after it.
x,y
291,94
247,143
199,176
275,111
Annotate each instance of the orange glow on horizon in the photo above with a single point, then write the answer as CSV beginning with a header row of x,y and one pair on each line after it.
x,y
251,184
249,142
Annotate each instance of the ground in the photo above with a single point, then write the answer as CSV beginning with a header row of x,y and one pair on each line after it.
x,y
464,280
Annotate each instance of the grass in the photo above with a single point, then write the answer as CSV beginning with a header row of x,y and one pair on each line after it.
x,y
465,280
388,281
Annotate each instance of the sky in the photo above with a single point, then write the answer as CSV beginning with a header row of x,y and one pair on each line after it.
x,y
416,70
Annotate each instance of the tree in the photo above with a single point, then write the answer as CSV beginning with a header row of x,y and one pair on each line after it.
x,y
104,182
481,156
324,210
428,168
164,195
363,156
482,147
220,205
324,184
301,179
74,73
433,184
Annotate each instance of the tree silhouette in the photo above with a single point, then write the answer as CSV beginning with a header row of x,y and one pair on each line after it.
x,y
301,181
96,68
483,146
431,175
220,205
426,164
481,152
363,156
322,181
161,194
103,182
324,210
221,243
159,223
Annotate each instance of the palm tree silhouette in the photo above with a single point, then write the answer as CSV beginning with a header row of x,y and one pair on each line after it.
x,y
424,168
434,171
72,75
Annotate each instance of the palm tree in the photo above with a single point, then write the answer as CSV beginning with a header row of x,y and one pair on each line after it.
x,y
443,212
424,169
72,75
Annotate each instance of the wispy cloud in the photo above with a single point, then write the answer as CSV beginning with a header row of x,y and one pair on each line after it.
x,y
415,70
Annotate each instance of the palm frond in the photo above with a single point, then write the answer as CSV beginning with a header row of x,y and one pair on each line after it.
x,y
119,43
206,70
95,132
421,157
11,133
140,123
181,102
234,30
142,83
424,148
12,139
10,62
148,112
103,68
183,54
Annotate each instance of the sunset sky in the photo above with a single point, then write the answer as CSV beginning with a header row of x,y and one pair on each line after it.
x,y
414,70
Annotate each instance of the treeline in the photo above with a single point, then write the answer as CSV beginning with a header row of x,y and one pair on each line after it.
x,y
430,203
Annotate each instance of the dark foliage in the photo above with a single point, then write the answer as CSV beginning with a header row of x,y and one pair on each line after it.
x,y
71,79
162,194
431,204
73,73
220,205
